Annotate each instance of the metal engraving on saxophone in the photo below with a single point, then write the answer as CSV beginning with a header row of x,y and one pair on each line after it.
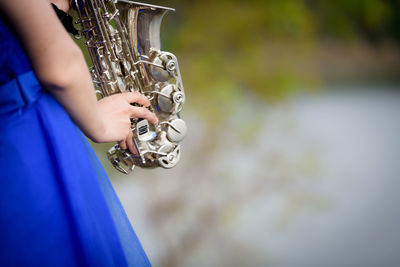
x,y
123,39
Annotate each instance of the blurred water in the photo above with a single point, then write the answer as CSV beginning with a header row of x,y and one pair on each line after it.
x,y
310,182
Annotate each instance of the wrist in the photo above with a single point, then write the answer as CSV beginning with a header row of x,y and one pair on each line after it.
x,y
97,129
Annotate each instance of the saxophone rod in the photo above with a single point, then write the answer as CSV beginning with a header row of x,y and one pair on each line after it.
x,y
143,4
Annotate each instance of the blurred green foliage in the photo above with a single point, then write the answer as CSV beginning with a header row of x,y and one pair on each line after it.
x,y
267,47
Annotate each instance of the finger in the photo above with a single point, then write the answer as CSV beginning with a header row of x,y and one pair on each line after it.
x,y
144,113
130,144
122,144
136,97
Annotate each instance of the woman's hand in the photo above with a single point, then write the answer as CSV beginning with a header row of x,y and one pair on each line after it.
x,y
115,112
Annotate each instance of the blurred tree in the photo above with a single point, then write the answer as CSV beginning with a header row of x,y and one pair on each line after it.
x,y
355,18
268,47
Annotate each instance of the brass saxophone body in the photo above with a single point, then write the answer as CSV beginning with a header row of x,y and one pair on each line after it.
x,y
123,40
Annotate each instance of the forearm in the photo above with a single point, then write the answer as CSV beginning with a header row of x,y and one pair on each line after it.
x,y
61,68
77,96
56,60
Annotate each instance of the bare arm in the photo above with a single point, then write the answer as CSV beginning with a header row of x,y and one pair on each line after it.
x,y
61,68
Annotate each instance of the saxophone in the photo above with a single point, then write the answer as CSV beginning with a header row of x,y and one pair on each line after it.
x,y
123,40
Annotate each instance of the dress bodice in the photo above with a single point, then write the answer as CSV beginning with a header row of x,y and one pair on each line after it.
x,y
13,60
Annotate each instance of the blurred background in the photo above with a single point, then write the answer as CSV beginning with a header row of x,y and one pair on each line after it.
x,y
292,154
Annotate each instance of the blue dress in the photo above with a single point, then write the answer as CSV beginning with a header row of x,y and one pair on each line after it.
x,y
57,206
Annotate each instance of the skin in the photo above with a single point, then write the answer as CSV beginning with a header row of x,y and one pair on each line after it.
x,y
60,66
64,5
